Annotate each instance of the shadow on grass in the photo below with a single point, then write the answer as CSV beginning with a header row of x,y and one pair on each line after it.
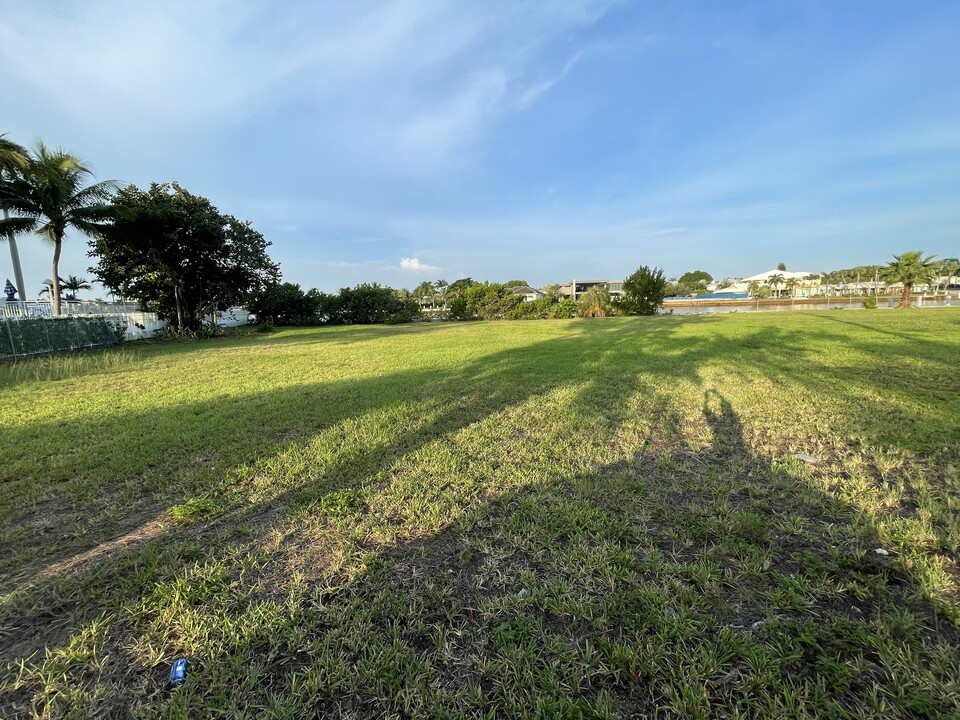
x,y
630,586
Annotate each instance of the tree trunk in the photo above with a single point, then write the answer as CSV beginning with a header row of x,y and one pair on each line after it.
x,y
55,269
176,297
15,259
905,297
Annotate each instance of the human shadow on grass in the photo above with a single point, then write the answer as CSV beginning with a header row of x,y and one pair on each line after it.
x,y
486,387
688,584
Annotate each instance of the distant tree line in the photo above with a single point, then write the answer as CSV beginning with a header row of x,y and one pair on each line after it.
x,y
464,299
178,255
365,304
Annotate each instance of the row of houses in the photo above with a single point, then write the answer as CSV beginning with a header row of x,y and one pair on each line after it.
x,y
792,284
809,284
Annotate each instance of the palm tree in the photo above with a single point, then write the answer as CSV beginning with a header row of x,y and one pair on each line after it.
x,y
441,285
909,268
595,302
75,284
810,280
752,287
13,160
552,291
49,197
425,293
775,280
48,287
791,285
948,268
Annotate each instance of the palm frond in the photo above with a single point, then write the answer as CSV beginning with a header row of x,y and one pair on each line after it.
x,y
16,225
93,193
13,157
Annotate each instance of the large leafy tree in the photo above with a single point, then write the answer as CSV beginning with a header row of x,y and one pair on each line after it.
x,y
50,195
694,282
179,256
910,268
486,301
644,291
459,287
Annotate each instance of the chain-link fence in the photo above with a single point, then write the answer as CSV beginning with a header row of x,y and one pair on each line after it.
x,y
26,336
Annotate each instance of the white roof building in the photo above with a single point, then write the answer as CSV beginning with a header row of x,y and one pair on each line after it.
x,y
743,286
787,274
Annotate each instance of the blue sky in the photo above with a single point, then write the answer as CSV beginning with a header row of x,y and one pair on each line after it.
x,y
397,142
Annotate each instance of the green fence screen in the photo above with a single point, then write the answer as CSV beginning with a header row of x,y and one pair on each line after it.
x,y
22,337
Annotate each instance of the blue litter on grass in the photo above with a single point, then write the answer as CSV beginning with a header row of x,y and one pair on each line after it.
x,y
178,673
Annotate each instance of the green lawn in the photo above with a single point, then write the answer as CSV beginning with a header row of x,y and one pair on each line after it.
x,y
583,518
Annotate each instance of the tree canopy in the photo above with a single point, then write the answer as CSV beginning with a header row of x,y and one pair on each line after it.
x,y
179,256
644,291
693,283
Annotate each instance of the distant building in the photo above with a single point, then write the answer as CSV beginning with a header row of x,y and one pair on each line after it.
x,y
529,294
808,282
575,288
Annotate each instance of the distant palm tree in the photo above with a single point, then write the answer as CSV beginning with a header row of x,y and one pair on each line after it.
x,y
775,281
752,287
810,280
49,196
791,285
425,293
441,285
48,287
949,268
909,268
13,160
75,284
552,292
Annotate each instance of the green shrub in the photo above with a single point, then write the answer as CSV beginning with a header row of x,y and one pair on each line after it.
x,y
565,309
265,327
869,302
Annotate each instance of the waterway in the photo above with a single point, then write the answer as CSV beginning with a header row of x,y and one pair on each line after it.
x,y
684,308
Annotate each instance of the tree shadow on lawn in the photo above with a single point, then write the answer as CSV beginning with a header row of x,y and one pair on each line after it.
x,y
667,524
448,403
314,335
209,436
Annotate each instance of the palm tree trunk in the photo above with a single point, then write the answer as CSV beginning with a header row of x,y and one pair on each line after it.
x,y
905,297
55,269
176,297
15,259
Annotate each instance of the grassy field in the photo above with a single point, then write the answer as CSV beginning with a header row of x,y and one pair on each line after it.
x,y
597,518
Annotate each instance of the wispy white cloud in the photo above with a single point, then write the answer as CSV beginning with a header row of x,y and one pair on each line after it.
x,y
415,265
